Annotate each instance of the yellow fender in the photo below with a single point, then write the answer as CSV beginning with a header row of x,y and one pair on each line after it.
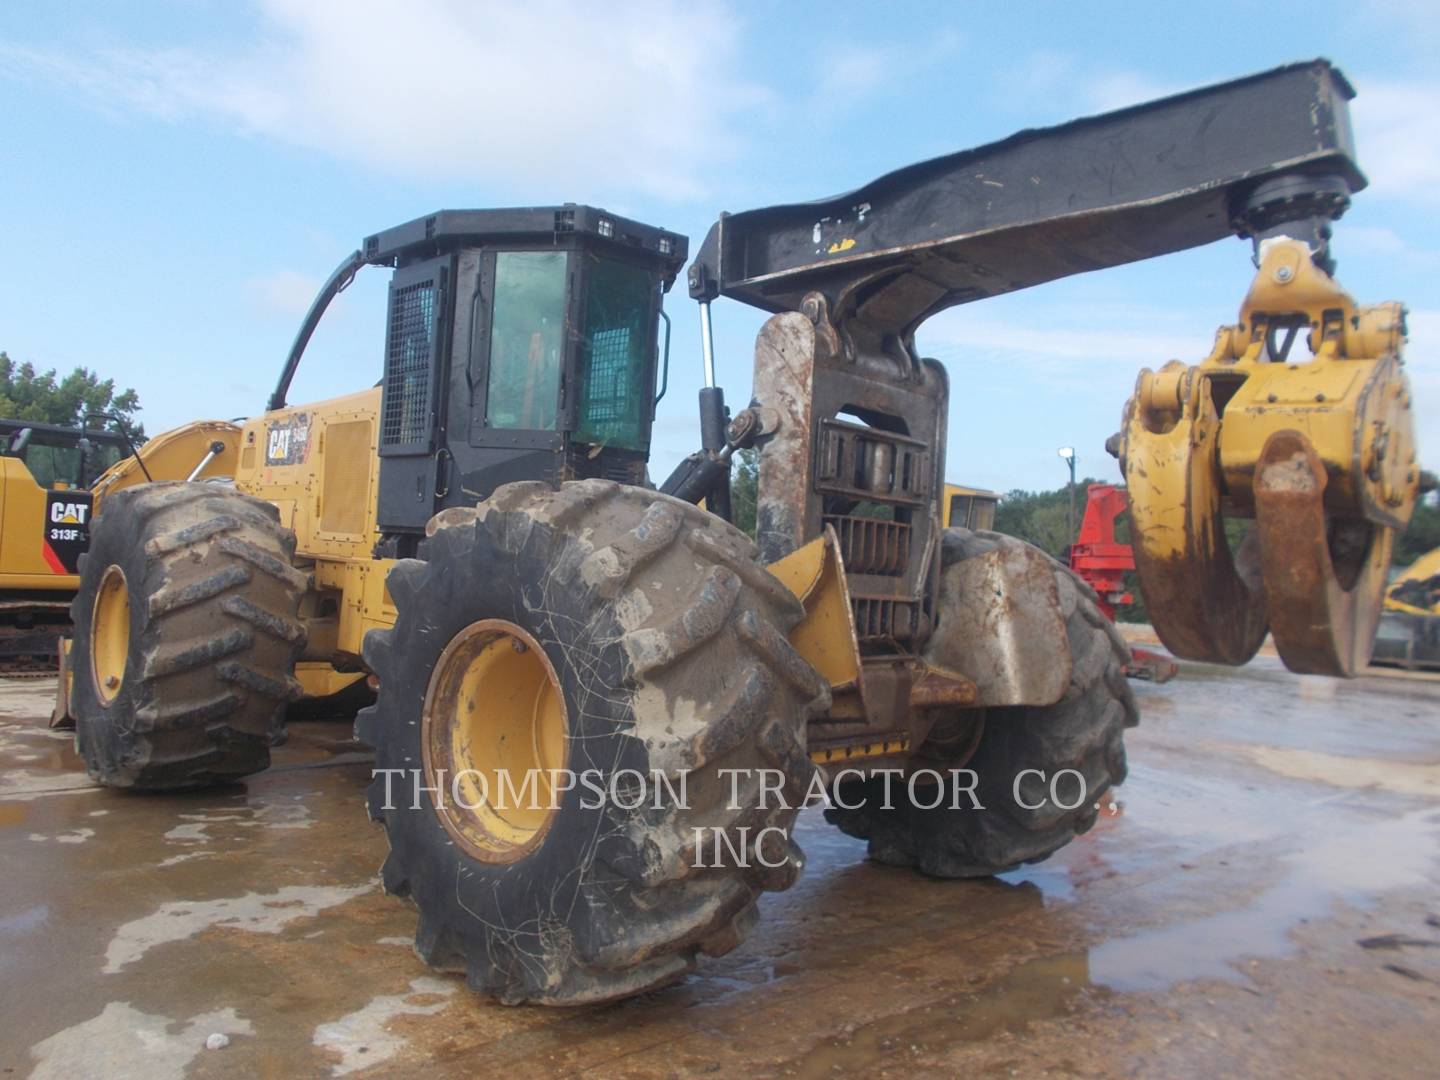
x,y
174,455
826,636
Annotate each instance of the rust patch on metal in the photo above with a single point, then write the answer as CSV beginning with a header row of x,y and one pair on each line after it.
x,y
937,691
1324,577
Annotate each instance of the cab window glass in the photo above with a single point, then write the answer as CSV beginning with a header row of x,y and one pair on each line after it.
x,y
53,464
103,455
619,319
527,340
983,515
60,463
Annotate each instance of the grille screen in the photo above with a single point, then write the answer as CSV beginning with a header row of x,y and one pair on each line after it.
x,y
348,458
410,344
607,397
870,545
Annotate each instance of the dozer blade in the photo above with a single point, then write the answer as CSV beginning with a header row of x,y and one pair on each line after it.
x,y
1318,452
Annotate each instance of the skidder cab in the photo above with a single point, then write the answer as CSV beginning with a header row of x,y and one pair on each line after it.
x,y
520,344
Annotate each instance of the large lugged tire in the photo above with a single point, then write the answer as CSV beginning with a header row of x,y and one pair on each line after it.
x,y
185,637
665,643
1082,731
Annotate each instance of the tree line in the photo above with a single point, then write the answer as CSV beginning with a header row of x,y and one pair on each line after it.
x,y
43,397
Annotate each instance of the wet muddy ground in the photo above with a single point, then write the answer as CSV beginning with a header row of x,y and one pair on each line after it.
x,y
1261,899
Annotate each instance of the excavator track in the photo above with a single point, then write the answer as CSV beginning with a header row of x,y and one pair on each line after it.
x,y
30,632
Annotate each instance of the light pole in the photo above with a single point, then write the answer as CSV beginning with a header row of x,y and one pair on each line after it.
x,y
1067,454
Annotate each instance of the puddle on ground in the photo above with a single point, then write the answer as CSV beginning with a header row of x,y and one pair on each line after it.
x,y
255,913
1249,809
69,836
1265,704
30,784
1403,777
1349,863
125,1042
284,811
363,1039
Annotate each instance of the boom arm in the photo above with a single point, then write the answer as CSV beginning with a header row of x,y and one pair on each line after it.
x,y
1050,202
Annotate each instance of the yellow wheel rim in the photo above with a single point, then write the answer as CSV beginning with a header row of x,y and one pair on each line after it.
x,y
110,635
493,736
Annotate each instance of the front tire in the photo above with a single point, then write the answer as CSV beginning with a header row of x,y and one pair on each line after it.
x,y
664,651
1083,731
185,637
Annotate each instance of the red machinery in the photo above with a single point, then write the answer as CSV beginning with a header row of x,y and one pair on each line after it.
x,y
1102,561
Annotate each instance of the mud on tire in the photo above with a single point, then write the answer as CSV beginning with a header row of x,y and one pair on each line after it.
x,y
1082,731
669,643
213,637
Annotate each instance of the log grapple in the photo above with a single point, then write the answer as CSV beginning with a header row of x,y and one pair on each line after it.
x,y
1311,461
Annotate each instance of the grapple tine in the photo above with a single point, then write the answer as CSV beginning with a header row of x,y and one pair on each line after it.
x,y
1324,577
1204,603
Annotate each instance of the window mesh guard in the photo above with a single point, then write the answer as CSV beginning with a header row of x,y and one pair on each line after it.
x,y
409,348
607,396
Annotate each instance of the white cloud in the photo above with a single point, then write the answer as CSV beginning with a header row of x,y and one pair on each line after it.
x,y
1384,242
1119,89
285,292
1412,26
551,93
1039,75
1397,136
1371,239
1045,76
1063,343
848,72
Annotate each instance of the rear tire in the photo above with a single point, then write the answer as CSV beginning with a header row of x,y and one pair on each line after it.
x,y
1083,731
196,694
666,642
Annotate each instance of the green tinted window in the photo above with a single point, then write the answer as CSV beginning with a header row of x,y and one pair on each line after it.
x,y
619,318
527,339
52,464
103,455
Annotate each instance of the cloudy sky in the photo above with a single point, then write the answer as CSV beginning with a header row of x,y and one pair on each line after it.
x,y
177,178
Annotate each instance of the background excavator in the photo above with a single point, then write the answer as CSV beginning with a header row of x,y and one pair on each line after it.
x,y
51,478
478,537
1409,633
46,472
